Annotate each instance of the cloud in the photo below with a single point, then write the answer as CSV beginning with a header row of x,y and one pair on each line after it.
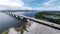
x,y
13,5
56,8
49,3
19,5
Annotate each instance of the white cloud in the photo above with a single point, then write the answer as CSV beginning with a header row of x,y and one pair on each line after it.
x,y
19,5
49,3
55,8
14,5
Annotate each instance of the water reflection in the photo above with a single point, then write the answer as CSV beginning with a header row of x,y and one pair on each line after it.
x,y
7,21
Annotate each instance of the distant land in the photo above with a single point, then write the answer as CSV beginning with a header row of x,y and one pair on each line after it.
x,y
27,10
51,16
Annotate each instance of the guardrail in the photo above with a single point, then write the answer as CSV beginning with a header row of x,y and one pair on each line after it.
x,y
49,24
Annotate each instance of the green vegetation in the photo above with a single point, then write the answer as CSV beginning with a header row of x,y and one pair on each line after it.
x,y
5,32
23,29
49,16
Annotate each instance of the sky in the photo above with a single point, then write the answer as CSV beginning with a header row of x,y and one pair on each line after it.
x,y
30,4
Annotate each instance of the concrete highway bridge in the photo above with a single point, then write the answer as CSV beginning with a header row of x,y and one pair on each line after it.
x,y
18,17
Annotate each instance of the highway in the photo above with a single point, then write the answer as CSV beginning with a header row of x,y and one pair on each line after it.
x,y
49,24
38,26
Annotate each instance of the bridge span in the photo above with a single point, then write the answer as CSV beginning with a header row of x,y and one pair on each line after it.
x,y
49,24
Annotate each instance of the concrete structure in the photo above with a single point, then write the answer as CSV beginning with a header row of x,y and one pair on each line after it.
x,y
50,24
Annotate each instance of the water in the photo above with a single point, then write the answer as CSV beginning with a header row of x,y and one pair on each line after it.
x,y
28,13
7,21
35,28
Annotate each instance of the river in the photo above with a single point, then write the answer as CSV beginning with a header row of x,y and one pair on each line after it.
x,y
7,21
35,28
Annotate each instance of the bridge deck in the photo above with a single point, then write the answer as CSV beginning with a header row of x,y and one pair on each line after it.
x,y
39,28
50,24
